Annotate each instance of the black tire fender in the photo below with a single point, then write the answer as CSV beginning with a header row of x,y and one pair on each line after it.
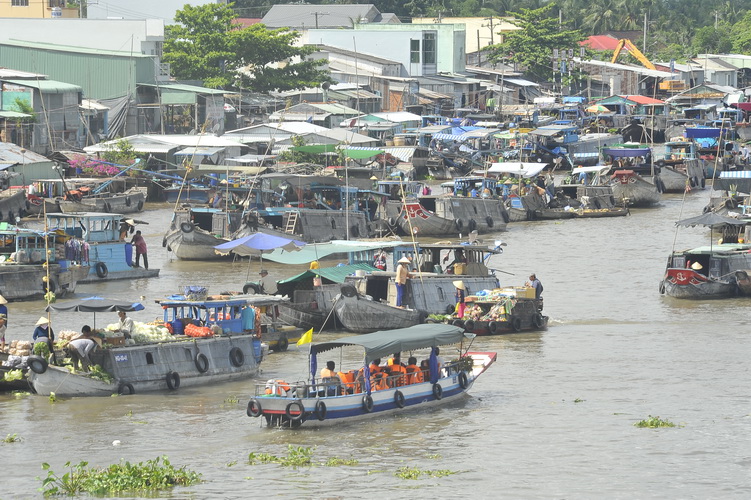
x,y
741,275
101,269
450,309
321,410
202,362
251,287
597,204
538,320
702,182
291,407
107,207
463,381
126,389
173,380
349,291
186,227
459,224
254,408
282,344
37,364
506,217
516,323
127,201
489,221
472,225
692,181
399,400
367,403
493,327
458,322
139,207
469,325
236,357
437,390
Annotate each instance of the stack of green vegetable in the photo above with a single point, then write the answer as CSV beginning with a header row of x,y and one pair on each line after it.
x,y
142,332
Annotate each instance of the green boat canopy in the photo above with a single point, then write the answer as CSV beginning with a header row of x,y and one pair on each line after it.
x,y
315,148
316,251
361,153
383,343
334,274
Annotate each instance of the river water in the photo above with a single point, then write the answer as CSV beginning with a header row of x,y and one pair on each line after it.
x,y
553,418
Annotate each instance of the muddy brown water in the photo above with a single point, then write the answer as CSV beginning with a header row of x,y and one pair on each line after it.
x,y
553,418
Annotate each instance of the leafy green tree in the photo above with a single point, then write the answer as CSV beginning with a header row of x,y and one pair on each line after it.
x,y
741,35
713,40
207,46
532,46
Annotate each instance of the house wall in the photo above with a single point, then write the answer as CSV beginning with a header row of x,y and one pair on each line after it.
x,y
143,36
35,9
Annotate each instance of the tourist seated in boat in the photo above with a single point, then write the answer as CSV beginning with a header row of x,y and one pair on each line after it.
x,y
378,381
425,369
348,382
277,388
414,373
330,379
396,370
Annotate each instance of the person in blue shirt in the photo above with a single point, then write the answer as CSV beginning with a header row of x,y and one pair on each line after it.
x,y
535,283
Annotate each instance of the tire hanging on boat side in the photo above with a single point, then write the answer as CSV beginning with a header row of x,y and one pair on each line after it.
x,y
173,380
254,408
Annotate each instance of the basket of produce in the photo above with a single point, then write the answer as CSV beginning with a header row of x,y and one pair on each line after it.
x,y
195,293
114,340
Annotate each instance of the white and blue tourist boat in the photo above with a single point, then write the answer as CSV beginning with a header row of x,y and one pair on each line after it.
x,y
353,396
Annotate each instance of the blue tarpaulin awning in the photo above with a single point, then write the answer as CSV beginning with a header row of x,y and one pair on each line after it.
x,y
702,132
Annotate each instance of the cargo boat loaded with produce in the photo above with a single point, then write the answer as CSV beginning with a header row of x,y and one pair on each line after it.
x,y
222,342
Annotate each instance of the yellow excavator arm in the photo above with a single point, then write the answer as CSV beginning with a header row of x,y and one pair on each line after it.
x,y
625,42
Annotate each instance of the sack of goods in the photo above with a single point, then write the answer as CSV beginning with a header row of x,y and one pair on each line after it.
x,y
198,331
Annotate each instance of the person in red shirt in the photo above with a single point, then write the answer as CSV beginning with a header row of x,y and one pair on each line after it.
x,y
140,245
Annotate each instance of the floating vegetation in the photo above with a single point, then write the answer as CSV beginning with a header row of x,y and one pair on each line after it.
x,y
297,456
654,422
335,462
232,463
13,375
232,400
415,473
21,394
12,438
53,398
577,400
143,477
433,456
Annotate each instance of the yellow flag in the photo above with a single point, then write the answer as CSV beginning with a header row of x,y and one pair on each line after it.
x,y
306,338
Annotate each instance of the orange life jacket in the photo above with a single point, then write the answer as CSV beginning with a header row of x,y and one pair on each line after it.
x,y
277,387
414,374
378,382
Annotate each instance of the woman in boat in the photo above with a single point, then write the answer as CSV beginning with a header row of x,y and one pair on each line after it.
x,y
460,291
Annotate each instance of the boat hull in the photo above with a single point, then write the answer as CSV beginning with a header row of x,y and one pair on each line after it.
x,y
360,315
13,204
304,405
143,368
129,202
193,244
636,192
688,284
26,282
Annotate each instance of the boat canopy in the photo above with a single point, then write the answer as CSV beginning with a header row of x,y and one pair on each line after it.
x,y
627,151
523,169
336,274
315,251
587,170
383,343
702,132
734,180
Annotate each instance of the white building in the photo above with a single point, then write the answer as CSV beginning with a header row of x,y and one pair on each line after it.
x,y
163,10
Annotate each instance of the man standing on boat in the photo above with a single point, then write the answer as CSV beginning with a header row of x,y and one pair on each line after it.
x,y
402,273
140,244
535,283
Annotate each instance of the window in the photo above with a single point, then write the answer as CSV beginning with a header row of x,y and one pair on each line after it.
x,y
19,3
414,51
428,48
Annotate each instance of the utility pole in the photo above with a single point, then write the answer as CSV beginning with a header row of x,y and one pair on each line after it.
x,y
316,14
644,45
491,28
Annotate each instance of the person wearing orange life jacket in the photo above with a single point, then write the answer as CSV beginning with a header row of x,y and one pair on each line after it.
x,y
277,387
398,371
378,381
414,374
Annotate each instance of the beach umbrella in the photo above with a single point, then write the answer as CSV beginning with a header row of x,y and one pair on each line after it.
x,y
597,108
258,244
95,304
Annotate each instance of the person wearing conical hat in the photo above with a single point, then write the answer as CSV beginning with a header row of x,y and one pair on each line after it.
x,y
461,290
402,273
4,308
43,333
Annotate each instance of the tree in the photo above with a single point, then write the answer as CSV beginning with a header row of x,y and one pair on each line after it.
x,y
207,46
713,40
532,46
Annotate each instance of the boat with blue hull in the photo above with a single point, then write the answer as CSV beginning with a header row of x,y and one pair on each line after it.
x,y
358,395
93,239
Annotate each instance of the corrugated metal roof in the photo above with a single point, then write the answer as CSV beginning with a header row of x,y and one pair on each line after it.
x,y
11,153
198,151
314,16
12,114
186,88
47,86
74,49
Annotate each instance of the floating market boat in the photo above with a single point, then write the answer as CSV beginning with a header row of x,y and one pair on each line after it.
x,y
195,231
360,314
219,340
24,270
504,310
78,200
94,240
355,396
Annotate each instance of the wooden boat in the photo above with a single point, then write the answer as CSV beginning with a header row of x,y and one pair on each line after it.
x,y
708,272
195,231
596,213
93,239
12,385
13,204
129,202
505,310
553,214
233,354
22,265
322,402
634,190
360,314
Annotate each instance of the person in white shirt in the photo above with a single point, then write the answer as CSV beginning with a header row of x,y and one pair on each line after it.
x,y
269,284
80,348
126,325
